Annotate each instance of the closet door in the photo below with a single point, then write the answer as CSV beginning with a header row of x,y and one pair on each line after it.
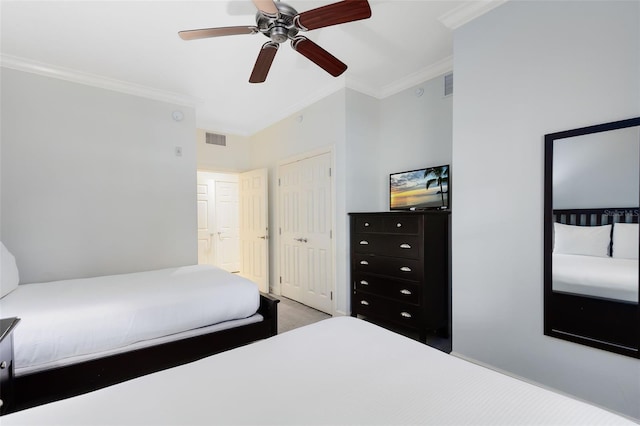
x,y
306,265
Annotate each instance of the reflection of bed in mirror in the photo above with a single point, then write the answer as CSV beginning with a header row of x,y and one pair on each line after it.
x,y
582,307
596,253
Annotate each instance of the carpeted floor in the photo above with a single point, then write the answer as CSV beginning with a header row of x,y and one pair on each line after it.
x,y
292,314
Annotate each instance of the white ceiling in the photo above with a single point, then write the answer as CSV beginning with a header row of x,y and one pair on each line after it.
x,y
133,46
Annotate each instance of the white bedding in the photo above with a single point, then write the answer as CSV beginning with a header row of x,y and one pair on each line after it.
x,y
338,371
72,320
606,277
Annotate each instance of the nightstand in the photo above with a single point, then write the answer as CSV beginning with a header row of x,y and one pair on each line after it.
x,y
7,325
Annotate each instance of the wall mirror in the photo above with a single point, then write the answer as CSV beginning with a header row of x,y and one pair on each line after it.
x,y
592,194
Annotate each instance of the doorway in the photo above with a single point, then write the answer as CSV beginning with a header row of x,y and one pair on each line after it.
x,y
233,234
218,224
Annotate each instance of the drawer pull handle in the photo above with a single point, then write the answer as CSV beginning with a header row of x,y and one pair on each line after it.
x,y
405,291
405,269
366,224
364,302
405,314
398,225
364,243
364,282
405,246
364,262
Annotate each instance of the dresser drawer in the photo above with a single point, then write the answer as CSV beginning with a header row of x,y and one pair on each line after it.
x,y
402,224
378,307
368,224
388,245
408,269
400,290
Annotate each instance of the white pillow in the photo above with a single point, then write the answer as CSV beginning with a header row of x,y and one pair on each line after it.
x,y
583,240
8,272
625,240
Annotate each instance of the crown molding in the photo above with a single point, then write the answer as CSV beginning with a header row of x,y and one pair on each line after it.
x,y
466,13
432,71
47,70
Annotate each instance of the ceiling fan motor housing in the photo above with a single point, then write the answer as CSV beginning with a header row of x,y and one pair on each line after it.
x,y
281,28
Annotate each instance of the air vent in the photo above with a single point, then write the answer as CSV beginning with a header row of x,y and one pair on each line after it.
x,y
216,139
448,84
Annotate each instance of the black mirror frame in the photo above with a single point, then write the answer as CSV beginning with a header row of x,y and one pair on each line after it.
x,y
600,323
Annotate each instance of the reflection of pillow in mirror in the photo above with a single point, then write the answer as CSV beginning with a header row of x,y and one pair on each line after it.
x,y
8,271
625,240
584,240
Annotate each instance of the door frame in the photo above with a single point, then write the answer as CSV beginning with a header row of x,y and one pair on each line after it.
x,y
265,283
277,255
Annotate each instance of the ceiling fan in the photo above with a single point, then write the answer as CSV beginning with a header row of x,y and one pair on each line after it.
x,y
280,22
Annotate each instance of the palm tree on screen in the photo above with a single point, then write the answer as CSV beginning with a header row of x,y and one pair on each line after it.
x,y
440,176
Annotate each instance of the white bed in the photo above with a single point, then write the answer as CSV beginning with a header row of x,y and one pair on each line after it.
x,y
606,277
65,322
339,371
594,259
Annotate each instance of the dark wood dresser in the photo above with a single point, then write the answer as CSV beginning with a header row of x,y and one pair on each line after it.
x,y
400,270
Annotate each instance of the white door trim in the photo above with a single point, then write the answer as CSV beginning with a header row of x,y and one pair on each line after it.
x,y
276,234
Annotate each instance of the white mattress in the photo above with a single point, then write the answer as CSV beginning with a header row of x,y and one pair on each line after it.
x,y
72,320
605,277
338,371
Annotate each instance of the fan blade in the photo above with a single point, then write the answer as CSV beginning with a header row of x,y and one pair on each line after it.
x,y
333,14
263,63
319,56
216,32
267,7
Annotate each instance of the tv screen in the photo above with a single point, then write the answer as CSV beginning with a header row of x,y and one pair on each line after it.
x,y
420,189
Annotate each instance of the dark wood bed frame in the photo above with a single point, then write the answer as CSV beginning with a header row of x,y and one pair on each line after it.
x,y
612,325
63,382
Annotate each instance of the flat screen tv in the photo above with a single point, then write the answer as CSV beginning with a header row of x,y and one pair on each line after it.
x,y
421,189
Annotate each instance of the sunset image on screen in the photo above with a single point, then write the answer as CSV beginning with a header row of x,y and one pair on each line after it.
x,y
409,189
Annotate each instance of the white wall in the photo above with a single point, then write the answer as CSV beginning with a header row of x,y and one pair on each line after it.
x,y
523,70
234,157
91,184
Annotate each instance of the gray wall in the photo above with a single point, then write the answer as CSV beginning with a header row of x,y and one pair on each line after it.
x,y
415,132
90,181
523,70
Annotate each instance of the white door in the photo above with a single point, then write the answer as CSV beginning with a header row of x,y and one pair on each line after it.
x,y
205,252
306,230
217,208
254,227
227,235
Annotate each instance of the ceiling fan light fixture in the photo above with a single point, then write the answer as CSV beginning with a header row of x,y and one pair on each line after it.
x,y
279,34
280,22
